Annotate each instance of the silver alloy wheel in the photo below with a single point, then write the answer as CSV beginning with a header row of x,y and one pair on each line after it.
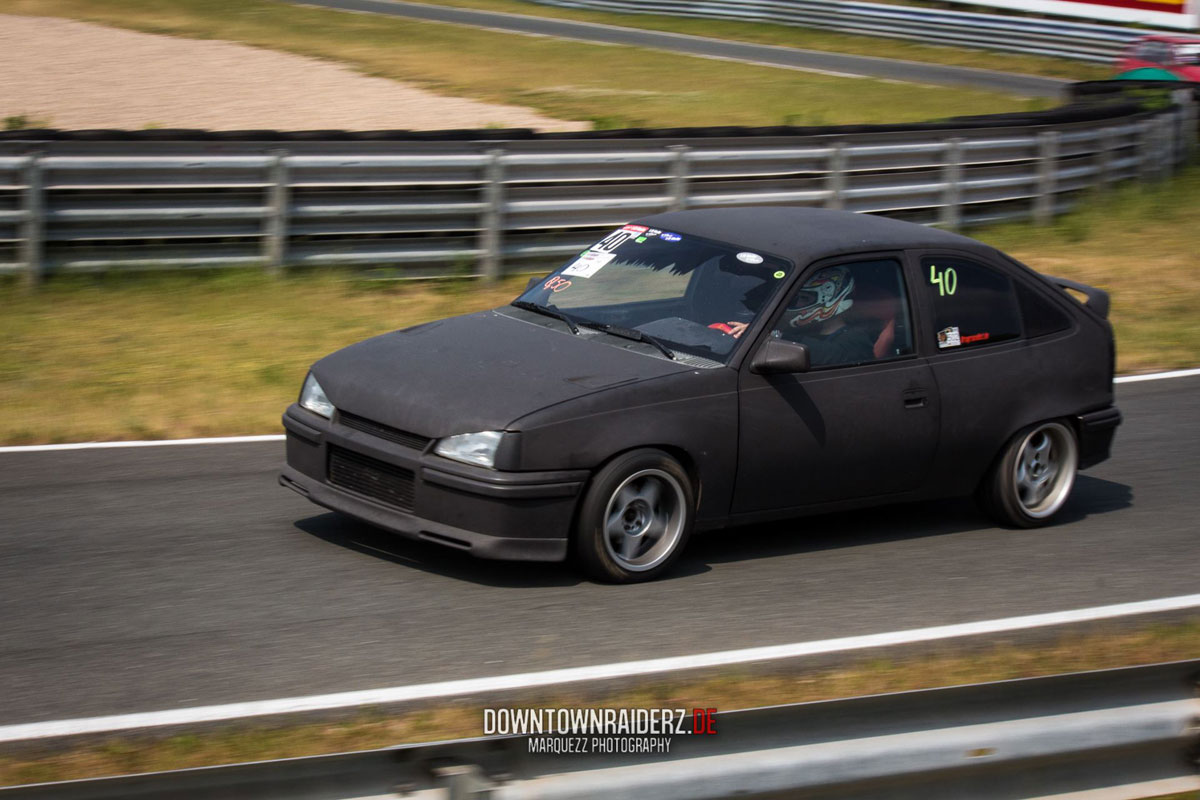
x,y
1045,469
644,520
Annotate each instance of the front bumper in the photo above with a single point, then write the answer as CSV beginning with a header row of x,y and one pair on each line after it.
x,y
491,514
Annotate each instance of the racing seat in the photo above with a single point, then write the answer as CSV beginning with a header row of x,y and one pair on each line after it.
x,y
723,296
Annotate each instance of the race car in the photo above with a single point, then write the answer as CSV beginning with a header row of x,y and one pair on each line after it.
x,y
1161,57
699,369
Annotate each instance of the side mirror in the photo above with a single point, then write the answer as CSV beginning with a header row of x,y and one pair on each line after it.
x,y
533,281
778,357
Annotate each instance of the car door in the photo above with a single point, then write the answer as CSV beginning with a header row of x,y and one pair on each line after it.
x,y
987,377
863,421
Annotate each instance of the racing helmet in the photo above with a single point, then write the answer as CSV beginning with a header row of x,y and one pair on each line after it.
x,y
822,296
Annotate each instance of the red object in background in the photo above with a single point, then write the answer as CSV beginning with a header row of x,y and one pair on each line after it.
x,y
722,327
1162,57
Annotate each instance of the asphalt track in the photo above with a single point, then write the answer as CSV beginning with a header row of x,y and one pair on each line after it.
x,y
161,577
704,47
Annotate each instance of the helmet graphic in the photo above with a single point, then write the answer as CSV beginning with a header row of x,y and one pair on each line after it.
x,y
825,294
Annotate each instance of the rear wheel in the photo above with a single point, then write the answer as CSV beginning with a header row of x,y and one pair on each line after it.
x,y
1034,476
636,518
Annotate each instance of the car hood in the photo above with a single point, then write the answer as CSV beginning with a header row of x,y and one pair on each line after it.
x,y
477,372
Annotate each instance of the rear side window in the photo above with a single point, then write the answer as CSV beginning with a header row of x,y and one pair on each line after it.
x,y
973,305
1040,315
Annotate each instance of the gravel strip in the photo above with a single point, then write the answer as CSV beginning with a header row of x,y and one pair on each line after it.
x,y
77,75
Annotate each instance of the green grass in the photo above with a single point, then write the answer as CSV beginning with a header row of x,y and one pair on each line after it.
x,y
612,86
808,39
180,355
728,690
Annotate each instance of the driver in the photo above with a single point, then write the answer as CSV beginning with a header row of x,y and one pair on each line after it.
x,y
816,320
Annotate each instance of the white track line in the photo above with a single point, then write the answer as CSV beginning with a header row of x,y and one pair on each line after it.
x,y
40,448
1157,376
279,437
535,680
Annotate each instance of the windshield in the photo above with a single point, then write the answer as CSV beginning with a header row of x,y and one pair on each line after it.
x,y
692,295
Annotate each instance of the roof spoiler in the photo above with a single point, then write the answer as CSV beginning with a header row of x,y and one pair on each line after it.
x,y
1097,299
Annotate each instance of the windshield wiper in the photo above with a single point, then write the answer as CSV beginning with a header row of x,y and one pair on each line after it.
x,y
549,312
630,333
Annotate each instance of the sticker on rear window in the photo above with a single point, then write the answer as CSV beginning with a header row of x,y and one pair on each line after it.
x,y
588,264
670,237
948,337
750,258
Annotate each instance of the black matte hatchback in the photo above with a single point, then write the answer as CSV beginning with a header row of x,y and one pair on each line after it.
x,y
698,369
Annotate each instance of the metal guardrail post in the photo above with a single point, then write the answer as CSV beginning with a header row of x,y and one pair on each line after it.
x,y
491,235
1145,150
1047,178
1162,147
279,199
1104,159
677,183
950,215
33,222
835,182
1191,125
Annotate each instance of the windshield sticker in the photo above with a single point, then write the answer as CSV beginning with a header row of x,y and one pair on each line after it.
x,y
670,237
948,337
779,274
635,228
589,263
652,232
750,258
976,337
640,239
556,284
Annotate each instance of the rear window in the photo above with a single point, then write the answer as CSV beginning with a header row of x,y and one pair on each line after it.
x,y
1040,315
973,305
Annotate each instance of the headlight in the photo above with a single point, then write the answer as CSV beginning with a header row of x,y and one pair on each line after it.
x,y
472,448
312,397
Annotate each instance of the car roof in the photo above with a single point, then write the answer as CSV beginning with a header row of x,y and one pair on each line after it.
x,y
806,234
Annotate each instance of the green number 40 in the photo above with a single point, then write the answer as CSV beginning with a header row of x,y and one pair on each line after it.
x,y
946,280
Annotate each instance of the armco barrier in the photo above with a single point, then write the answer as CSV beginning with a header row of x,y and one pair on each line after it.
x,y
1015,34
1121,734
453,204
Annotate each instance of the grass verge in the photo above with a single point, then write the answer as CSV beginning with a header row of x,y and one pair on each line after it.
x,y
726,691
180,355
808,39
609,85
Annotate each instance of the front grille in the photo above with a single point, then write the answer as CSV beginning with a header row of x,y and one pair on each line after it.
x,y
368,476
374,428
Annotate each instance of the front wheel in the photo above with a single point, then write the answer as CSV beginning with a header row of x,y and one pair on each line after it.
x,y
636,518
1033,478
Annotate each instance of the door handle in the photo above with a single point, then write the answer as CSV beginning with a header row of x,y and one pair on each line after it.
x,y
915,402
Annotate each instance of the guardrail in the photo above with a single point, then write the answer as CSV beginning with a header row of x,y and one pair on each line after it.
x,y
1014,34
479,207
1132,732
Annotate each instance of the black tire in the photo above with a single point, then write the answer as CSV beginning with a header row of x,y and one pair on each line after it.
x,y
635,519
1032,478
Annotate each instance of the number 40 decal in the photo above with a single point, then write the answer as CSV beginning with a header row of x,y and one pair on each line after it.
x,y
946,280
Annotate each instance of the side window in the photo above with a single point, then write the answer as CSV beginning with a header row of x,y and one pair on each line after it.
x,y
1040,315
973,305
849,314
